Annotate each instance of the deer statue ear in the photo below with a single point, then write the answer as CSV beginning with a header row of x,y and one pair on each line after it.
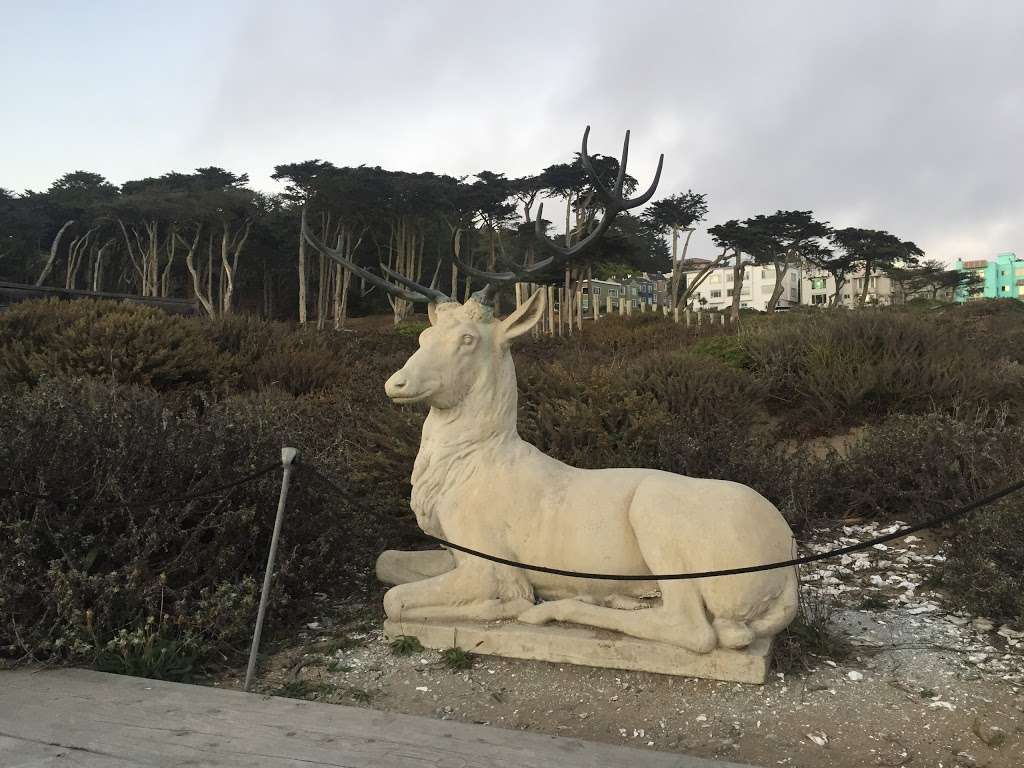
x,y
432,312
523,319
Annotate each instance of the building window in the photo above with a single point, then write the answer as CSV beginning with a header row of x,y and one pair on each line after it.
x,y
717,294
729,292
819,298
817,283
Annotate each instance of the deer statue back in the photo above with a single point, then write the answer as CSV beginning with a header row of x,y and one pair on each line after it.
x,y
477,483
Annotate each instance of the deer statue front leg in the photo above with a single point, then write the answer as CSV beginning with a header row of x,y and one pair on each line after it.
x,y
474,589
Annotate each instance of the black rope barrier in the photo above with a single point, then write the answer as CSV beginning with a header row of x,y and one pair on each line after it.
x,y
905,531
266,470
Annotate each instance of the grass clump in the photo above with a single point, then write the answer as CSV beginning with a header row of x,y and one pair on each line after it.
x,y
457,659
405,645
810,635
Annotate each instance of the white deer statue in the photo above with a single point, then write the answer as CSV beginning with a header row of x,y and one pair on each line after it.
x,y
477,483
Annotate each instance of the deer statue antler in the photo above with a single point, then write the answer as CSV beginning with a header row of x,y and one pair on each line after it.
x,y
615,202
412,291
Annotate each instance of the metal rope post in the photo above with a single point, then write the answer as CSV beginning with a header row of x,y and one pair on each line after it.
x,y
287,458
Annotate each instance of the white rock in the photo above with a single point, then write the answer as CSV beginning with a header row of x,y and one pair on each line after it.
x,y
855,675
820,738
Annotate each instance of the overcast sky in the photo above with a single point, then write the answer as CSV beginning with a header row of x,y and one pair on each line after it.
x,y
906,116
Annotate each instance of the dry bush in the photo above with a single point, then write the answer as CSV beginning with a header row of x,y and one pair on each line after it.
x,y
915,467
216,398
839,369
984,568
82,578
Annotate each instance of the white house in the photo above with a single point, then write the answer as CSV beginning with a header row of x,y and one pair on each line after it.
x,y
716,289
819,286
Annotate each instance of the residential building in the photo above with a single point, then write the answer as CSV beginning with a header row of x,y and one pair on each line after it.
x,y
641,290
716,289
818,287
602,289
1003,277
637,290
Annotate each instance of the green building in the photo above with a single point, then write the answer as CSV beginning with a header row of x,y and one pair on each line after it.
x,y
1003,277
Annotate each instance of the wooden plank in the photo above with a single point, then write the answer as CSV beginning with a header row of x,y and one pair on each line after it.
x,y
96,719
21,753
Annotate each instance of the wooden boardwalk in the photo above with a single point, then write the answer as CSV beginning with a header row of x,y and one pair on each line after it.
x,y
95,720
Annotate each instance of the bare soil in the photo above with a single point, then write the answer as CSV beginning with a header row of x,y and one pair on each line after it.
x,y
924,685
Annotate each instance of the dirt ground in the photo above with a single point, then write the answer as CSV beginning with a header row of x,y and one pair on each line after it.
x,y
924,686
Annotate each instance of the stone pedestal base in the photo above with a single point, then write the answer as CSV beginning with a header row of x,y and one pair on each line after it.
x,y
590,647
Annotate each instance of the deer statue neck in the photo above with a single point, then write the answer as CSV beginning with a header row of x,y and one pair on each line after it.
x,y
487,412
460,441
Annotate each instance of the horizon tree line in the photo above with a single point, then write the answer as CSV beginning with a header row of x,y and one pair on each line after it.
x,y
207,235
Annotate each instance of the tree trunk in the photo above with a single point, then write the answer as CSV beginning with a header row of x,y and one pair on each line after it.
x,y
165,278
232,249
691,288
97,272
737,286
781,268
204,297
673,283
840,282
868,268
302,269
54,246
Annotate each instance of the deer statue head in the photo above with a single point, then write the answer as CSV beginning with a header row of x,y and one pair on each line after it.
x,y
465,352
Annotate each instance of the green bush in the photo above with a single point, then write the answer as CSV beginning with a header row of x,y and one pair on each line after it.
x,y
731,350
124,343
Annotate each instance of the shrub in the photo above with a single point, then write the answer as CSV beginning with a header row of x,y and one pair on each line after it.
x,y
984,568
914,467
124,343
838,369
266,355
180,576
731,350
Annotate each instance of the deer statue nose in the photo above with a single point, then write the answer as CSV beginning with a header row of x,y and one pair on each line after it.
x,y
397,385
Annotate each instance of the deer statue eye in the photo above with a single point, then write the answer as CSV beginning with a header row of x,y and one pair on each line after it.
x,y
467,339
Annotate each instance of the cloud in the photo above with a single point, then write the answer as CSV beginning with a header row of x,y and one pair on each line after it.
x,y
903,116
